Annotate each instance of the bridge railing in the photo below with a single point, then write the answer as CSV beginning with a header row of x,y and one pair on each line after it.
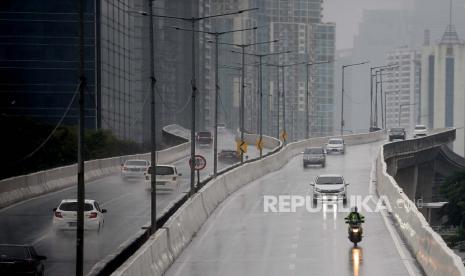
x,y
19,188
161,249
415,145
430,250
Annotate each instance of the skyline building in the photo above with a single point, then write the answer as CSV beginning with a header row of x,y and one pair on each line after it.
x,y
442,88
402,88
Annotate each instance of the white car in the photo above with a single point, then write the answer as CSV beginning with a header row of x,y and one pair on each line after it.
x,y
65,215
420,130
167,177
134,168
335,145
329,187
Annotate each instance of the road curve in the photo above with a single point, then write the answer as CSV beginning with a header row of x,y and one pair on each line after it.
x,y
241,239
128,204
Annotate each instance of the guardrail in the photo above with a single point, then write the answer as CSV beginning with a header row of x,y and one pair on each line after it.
x,y
419,144
430,250
161,249
19,188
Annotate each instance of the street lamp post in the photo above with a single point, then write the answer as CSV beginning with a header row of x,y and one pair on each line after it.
x,y
373,117
400,109
193,20
217,36
307,119
342,95
260,108
242,109
80,155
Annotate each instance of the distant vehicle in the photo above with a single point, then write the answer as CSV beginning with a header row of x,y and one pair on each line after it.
x,y
397,133
20,260
420,131
373,129
229,156
65,215
314,156
335,145
329,187
221,126
204,138
134,168
166,178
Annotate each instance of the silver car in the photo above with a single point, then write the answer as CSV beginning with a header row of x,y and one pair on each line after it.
x,y
329,187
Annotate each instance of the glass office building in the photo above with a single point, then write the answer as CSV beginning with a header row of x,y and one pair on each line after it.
x,y
39,60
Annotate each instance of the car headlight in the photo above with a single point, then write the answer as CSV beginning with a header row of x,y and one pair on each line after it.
x,y
355,230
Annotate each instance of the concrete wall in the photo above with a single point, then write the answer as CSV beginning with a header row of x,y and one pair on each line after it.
x,y
155,257
432,253
19,188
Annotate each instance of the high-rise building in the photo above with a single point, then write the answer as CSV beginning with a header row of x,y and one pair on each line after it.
x,y
401,86
373,41
39,64
325,40
39,61
442,87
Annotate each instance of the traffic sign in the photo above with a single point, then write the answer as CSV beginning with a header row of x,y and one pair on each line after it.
x,y
200,163
241,146
259,144
283,136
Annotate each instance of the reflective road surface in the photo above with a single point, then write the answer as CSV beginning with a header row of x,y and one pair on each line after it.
x,y
128,204
241,239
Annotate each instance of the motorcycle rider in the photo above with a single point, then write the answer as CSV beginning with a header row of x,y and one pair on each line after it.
x,y
354,217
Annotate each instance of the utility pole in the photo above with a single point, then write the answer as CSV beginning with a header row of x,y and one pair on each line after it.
x,y
260,90
217,36
193,20
80,174
342,94
242,108
153,134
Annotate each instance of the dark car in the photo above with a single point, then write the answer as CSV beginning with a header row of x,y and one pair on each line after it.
x,y
20,260
397,133
314,156
229,156
204,138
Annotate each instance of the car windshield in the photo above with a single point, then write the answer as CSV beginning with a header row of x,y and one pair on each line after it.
x,y
420,127
397,129
329,180
335,142
13,252
164,170
139,163
72,206
204,134
314,151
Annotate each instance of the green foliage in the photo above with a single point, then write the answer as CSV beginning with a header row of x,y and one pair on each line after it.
x,y
22,136
453,190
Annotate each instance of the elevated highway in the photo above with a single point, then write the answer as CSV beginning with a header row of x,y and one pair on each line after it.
x,y
128,204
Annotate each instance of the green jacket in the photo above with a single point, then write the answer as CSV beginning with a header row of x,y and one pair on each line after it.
x,y
354,218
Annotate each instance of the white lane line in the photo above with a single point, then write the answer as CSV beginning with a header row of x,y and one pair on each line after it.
x,y
291,266
390,228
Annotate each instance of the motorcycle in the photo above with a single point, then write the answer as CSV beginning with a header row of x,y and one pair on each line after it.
x,y
355,233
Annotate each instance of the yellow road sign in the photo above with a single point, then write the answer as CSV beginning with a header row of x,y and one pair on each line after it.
x,y
283,136
259,144
241,147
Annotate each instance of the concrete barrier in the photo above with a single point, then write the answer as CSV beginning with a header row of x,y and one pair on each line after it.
x,y
187,220
430,250
19,188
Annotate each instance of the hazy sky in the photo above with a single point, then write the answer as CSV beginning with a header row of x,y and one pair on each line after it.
x,y
348,13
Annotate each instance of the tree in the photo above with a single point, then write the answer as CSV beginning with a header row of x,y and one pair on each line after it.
x,y
453,190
